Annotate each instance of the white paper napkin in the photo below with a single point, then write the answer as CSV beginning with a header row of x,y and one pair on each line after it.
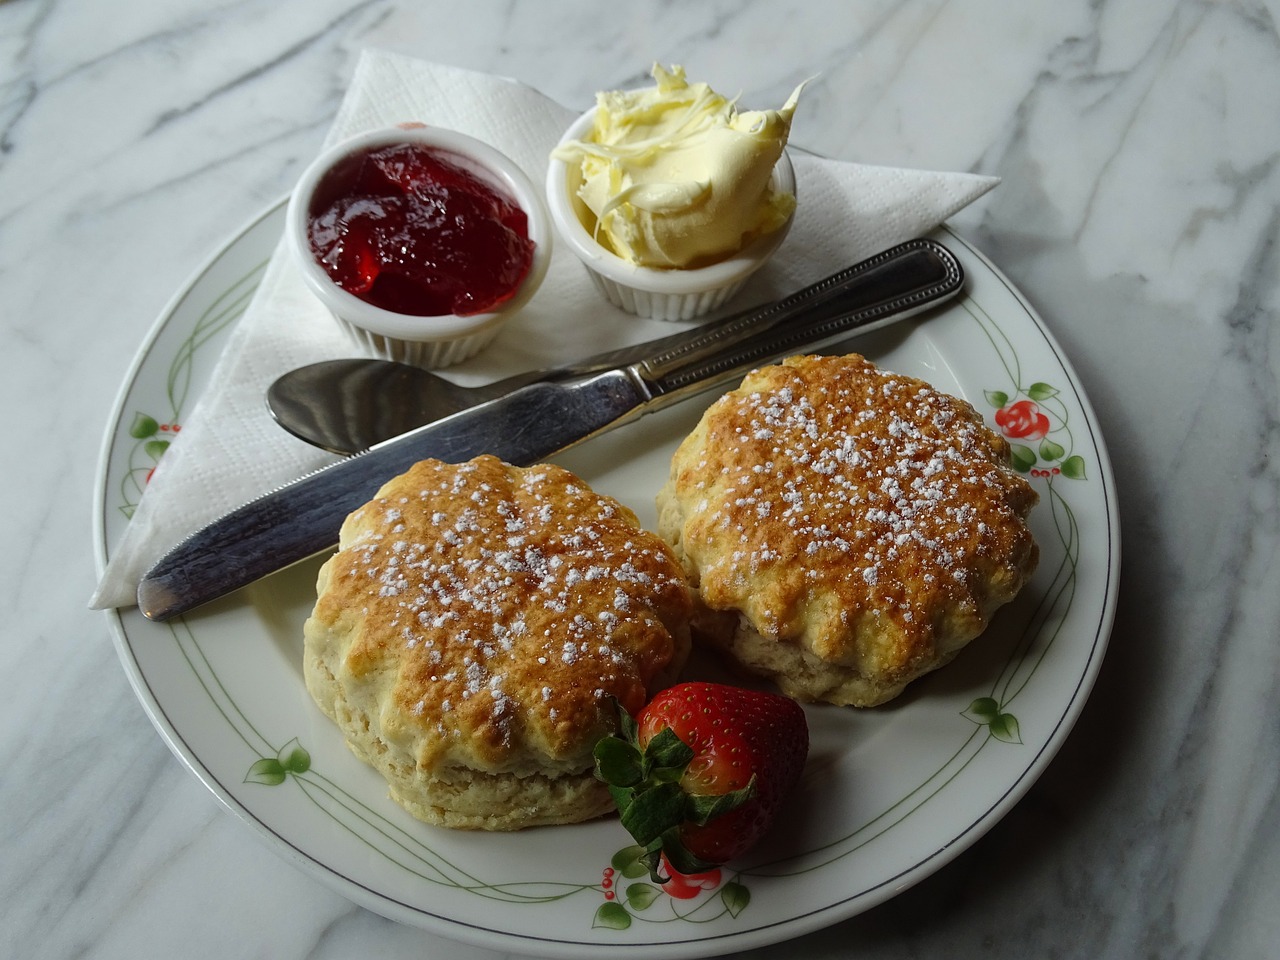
x,y
230,450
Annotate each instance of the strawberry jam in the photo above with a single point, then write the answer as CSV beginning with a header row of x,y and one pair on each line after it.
x,y
409,229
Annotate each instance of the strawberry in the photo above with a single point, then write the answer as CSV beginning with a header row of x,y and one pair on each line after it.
x,y
700,773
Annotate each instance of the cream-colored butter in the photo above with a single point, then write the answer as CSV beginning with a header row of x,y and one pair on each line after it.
x,y
675,176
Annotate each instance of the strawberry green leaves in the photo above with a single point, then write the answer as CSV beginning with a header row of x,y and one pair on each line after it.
x,y
700,773
645,784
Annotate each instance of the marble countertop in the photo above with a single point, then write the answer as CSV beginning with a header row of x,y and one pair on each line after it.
x,y
1138,211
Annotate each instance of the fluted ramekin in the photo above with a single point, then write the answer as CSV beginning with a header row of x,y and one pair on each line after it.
x,y
424,341
663,294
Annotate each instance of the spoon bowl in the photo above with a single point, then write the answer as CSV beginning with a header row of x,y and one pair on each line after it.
x,y
345,406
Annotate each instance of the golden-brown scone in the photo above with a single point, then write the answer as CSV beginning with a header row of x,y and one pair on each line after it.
x,y
470,628
847,529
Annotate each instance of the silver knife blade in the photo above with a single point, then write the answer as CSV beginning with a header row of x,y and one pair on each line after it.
x,y
534,422
302,518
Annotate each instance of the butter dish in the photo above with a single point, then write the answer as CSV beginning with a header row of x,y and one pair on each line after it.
x,y
671,197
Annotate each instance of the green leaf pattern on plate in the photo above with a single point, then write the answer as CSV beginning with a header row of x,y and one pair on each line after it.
x,y
152,429
640,896
1035,414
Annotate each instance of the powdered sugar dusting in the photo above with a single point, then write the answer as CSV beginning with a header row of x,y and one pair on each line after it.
x,y
875,481
502,592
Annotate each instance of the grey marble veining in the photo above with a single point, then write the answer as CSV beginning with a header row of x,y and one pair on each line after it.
x,y
1138,213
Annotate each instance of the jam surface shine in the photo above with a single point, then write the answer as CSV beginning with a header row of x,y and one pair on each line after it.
x,y
407,228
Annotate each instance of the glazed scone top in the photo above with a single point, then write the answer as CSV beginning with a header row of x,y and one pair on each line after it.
x,y
497,607
843,506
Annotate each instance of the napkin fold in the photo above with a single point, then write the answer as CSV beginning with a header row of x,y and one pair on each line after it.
x,y
230,450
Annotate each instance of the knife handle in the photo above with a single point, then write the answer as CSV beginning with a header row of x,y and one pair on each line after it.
x,y
889,286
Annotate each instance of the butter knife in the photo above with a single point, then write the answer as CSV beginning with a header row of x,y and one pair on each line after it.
x,y
536,421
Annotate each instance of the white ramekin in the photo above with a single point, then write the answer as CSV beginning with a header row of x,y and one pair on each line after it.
x,y
664,294
424,341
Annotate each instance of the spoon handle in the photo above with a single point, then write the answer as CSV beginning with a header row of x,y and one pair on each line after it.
x,y
885,288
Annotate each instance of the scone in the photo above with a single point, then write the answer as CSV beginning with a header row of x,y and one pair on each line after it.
x,y
846,529
471,627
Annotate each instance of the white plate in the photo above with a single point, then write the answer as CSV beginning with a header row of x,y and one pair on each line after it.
x,y
888,796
